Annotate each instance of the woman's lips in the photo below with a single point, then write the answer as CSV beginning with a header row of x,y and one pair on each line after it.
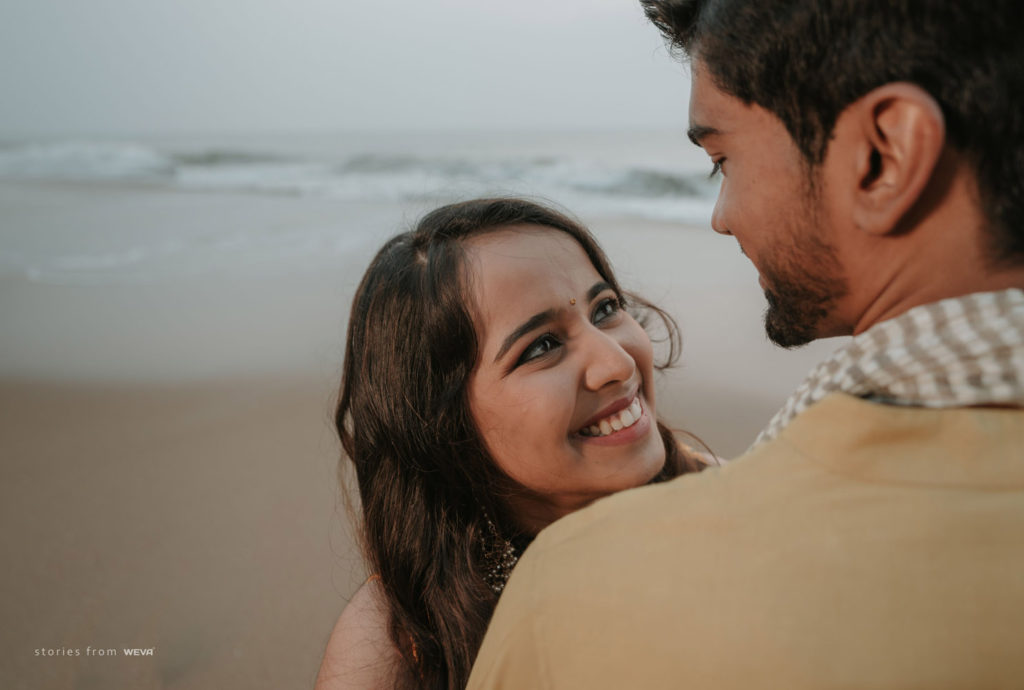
x,y
624,417
630,434
635,408
615,407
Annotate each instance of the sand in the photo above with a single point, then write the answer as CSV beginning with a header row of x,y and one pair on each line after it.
x,y
168,460
198,520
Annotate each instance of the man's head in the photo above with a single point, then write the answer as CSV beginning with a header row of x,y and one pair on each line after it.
x,y
852,121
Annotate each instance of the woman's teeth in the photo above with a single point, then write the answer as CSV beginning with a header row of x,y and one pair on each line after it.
x,y
616,422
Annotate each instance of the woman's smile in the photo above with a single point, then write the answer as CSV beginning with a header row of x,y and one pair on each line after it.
x,y
562,393
625,425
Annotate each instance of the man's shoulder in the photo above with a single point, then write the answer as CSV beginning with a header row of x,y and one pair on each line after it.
x,y
856,515
621,575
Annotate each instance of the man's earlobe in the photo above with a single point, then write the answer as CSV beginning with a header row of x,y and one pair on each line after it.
x,y
902,133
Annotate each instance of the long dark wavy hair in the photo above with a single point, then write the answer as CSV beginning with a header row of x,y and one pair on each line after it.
x,y
427,485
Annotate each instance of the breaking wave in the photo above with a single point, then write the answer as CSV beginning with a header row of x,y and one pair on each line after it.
x,y
578,183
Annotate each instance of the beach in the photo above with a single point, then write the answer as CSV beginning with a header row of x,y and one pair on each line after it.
x,y
169,459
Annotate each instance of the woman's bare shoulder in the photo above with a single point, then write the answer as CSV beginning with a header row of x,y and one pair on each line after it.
x,y
360,654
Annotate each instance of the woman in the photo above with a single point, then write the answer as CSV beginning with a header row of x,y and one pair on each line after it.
x,y
493,382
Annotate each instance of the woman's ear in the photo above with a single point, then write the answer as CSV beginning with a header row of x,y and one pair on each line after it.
x,y
899,133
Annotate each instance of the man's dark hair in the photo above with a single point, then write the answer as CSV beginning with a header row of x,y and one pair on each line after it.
x,y
807,60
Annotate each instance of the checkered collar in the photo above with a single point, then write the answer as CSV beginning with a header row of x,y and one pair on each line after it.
x,y
958,352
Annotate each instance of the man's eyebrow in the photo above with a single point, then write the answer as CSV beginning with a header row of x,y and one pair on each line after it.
x,y
698,132
527,326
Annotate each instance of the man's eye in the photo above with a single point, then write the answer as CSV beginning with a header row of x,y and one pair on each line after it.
x,y
716,168
538,348
606,309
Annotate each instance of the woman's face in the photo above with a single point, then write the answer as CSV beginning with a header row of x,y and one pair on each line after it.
x,y
563,392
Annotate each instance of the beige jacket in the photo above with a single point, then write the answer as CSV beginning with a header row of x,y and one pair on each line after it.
x,y
868,546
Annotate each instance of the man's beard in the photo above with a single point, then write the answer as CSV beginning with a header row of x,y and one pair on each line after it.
x,y
803,283
797,306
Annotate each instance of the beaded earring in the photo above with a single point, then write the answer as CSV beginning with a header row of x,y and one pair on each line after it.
x,y
499,558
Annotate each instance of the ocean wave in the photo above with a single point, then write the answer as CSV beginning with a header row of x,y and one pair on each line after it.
x,y
649,183
219,157
142,262
572,176
85,160
374,176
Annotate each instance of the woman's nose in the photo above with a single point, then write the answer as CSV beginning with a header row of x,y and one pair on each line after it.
x,y
607,361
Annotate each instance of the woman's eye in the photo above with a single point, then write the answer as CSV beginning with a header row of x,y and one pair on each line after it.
x,y
716,168
607,308
539,347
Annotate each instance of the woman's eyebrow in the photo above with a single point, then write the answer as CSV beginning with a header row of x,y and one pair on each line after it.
x,y
527,326
542,318
597,288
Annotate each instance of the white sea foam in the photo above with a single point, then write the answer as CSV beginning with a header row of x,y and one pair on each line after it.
x,y
84,160
640,178
361,177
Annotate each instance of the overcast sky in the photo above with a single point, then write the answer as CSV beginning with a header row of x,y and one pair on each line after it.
x,y
156,66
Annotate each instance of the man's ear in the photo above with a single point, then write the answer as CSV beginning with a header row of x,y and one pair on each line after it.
x,y
899,133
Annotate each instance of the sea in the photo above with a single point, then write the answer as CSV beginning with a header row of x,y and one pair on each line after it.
x,y
211,256
650,174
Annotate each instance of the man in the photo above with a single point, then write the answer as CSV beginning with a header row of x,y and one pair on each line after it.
x,y
872,162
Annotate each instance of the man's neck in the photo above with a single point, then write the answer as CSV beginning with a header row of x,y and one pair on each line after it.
x,y
893,303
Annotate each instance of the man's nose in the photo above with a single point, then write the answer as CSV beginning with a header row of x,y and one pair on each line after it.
x,y
718,218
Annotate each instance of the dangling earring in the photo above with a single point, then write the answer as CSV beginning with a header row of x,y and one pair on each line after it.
x,y
499,558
